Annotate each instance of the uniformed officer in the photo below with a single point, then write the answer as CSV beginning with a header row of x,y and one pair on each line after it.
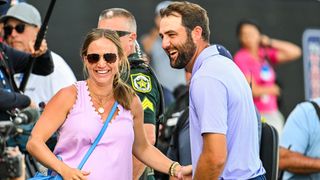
x,y
142,78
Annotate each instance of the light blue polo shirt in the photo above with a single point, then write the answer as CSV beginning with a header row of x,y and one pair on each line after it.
x,y
301,134
221,102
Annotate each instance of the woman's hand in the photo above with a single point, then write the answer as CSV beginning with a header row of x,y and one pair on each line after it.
x,y
266,40
183,172
74,174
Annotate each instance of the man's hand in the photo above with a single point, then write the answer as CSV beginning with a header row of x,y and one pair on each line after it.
x,y
43,48
33,105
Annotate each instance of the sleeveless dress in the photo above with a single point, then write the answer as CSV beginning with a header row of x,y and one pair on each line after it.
x,y
112,157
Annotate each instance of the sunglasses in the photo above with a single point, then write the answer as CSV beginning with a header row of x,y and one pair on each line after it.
x,y
9,28
108,57
122,33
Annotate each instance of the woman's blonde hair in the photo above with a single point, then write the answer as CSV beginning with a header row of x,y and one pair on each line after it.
x,y
122,92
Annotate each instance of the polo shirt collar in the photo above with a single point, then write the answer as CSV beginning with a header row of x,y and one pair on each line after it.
x,y
207,52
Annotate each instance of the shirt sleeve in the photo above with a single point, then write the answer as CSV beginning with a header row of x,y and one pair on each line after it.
x,y
295,134
11,100
272,54
147,90
210,104
43,64
149,107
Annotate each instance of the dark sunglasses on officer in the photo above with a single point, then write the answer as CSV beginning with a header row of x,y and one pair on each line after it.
x,y
108,57
122,33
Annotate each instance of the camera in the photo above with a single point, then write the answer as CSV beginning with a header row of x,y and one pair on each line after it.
x,y
10,161
15,132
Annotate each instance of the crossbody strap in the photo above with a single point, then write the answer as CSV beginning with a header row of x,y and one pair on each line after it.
x,y
316,107
96,141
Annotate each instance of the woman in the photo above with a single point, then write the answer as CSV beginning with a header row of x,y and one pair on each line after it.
x,y
78,113
256,58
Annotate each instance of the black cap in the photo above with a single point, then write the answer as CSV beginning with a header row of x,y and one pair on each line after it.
x,y
3,2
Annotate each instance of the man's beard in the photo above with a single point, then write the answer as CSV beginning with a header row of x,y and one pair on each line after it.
x,y
185,53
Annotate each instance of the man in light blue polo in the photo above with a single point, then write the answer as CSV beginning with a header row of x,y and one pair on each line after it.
x,y
299,154
223,122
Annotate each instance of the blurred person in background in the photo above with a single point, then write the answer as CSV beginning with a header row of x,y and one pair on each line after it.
x,y
142,80
151,42
257,57
13,61
21,26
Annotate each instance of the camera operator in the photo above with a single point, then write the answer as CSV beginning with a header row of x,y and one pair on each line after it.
x,y
11,62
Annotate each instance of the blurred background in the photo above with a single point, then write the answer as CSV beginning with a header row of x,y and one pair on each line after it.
x,y
283,19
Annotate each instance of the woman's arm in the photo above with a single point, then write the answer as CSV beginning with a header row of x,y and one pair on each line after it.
x,y
146,152
287,51
51,119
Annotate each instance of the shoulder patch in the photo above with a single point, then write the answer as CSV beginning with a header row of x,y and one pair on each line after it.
x,y
146,103
141,82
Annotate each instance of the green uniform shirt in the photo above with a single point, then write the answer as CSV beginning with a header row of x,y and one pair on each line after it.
x,y
146,87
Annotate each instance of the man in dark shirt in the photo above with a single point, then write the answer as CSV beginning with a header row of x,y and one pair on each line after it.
x,y
13,61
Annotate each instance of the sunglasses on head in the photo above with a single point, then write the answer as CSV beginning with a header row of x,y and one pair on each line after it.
x,y
9,28
108,57
122,33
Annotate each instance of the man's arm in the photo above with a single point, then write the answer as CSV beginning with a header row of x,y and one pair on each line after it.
x,y
298,163
138,166
18,60
43,64
213,157
10,100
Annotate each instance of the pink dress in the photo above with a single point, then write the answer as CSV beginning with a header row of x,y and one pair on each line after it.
x,y
262,72
112,158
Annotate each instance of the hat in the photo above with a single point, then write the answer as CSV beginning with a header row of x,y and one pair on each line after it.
x,y
162,5
3,7
3,2
23,12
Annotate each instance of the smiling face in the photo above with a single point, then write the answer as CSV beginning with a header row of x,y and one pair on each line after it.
x,y
177,41
102,72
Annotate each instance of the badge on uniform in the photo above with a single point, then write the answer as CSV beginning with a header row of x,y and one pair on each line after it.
x,y
141,82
